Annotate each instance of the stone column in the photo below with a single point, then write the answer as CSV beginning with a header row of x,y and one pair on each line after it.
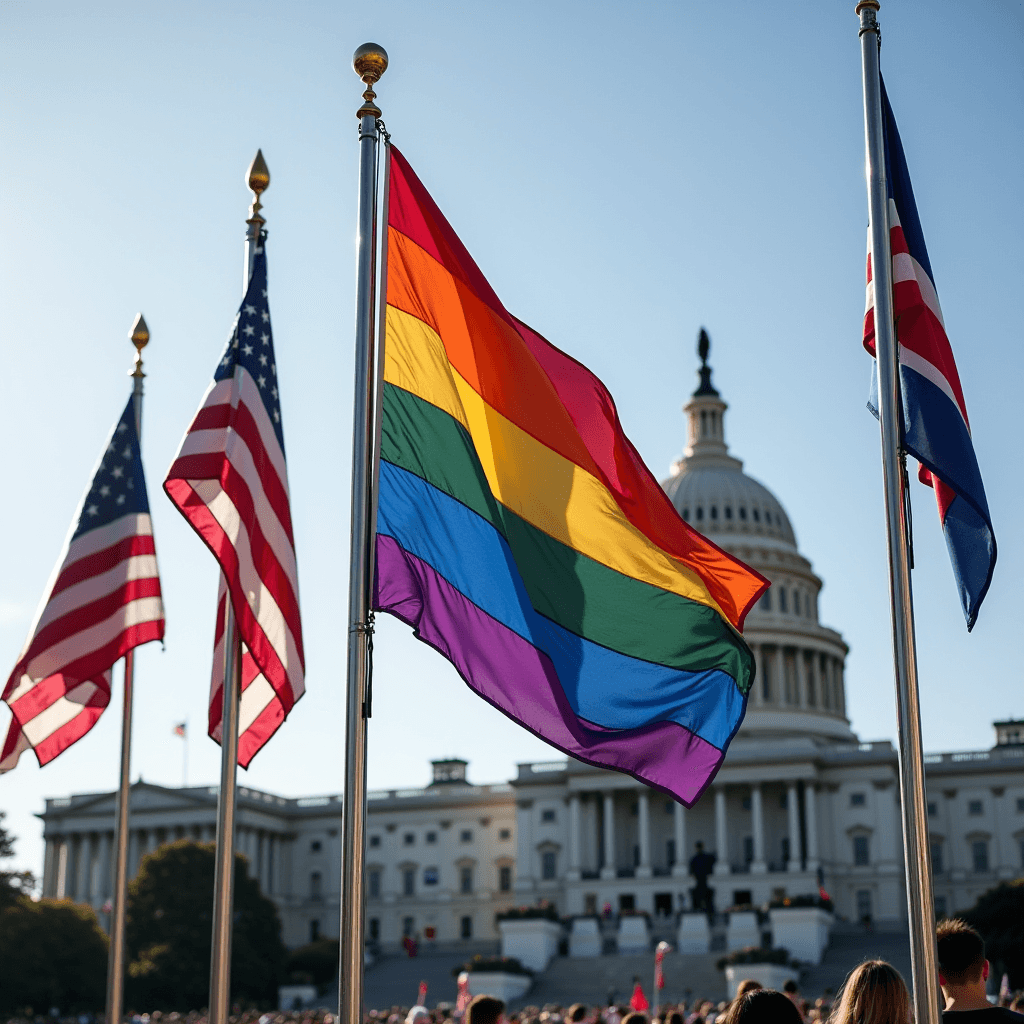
x,y
840,689
524,846
83,863
643,824
681,868
722,865
574,838
793,816
106,868
610,864
133,853
813,683
757,865
801,677
63,868
811,821
779,672
50,860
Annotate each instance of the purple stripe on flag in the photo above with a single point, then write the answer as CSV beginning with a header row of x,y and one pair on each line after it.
x,y
482,649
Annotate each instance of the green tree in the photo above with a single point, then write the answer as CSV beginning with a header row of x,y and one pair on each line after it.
x,y
316,962
52,953
12,883
999,916
168,938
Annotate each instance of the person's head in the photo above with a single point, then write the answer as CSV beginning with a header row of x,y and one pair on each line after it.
x,y
699,846
675,1017
874,993
418,1015
791,988
747,985
576,1013
962,963
762,1006
484,1010
635,1018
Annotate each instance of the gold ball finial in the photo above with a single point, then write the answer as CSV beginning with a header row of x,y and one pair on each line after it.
x,y
370,61
258,175
140,333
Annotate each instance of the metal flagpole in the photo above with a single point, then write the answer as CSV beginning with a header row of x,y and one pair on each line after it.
x,y
258,179
370,62
915,822
115,958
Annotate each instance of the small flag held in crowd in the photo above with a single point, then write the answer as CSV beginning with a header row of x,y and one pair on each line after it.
x,y
103,600
521,535
936,430
230,481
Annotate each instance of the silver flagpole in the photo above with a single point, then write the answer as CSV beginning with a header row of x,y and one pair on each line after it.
x,y
115,958
370,62
920,903
258,179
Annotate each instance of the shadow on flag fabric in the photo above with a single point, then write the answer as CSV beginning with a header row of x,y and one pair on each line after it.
x,y
103,599
936,430
520,534
230,481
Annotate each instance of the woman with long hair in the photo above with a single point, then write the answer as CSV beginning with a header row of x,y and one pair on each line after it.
x,y
874,993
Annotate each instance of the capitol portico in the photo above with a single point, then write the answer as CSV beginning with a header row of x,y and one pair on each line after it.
x,y
800,802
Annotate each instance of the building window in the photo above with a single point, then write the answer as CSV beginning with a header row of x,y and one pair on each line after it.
x,y
466,927
748,849
700,513
937,858
315,846
728,511
409,839
858,800
1020,805
757,516
408,926
505,834
746,803
547,816
316,892
686,514
465,836
863,904
431,876
783,604
975,807
314,930
431,838
549,865
408,881
466,881
933,809
861,852
743,512
766,600
374,885
670,853
375,840
785,849
979,854
714,511
375,929
504,878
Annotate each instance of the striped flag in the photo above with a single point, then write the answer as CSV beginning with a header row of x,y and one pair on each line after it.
x,y
230,481
103,600
935,426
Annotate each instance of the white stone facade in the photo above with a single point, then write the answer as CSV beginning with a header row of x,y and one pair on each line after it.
x,y
799,803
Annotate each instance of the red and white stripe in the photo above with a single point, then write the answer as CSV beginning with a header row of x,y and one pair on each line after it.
x,y
230,481
103,600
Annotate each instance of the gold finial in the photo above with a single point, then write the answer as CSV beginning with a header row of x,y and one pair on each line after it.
x,y
872,5
140,339
370,61
258,180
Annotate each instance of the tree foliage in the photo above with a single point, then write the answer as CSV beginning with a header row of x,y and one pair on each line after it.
x,y
53,953
315,963
12,883
999,916
168,936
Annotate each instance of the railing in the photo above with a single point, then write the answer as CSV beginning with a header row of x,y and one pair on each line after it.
x,y
549,766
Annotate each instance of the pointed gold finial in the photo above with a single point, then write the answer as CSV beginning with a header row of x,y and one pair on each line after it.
x,y
370,61
258,180
140,339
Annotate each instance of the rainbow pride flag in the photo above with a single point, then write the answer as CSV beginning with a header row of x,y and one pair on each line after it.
x,y
520,534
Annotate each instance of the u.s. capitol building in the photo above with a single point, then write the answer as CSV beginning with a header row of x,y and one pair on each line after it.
x,y
800,802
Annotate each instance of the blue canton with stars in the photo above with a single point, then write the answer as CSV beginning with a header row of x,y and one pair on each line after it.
x,y
252,342
119,486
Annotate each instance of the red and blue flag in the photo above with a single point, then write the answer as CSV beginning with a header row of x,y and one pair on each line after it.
x,y
936,430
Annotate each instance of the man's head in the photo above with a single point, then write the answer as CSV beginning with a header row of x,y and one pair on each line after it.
x,y
484,1010
699,846
962,962
577,1012
791,988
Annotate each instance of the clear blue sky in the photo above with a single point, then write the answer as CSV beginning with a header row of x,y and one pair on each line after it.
x,y
623,174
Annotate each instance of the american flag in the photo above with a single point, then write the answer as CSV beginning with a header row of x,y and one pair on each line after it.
x,y
230,481
103,600
936,430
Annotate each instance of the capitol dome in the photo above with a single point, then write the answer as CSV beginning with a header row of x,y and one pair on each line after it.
x,y
799,689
